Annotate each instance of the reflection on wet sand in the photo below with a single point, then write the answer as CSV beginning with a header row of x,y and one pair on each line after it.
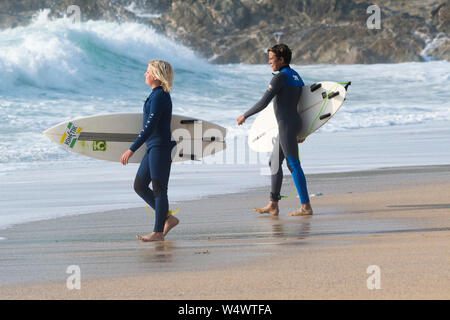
x,y
158,251
288,229
305,227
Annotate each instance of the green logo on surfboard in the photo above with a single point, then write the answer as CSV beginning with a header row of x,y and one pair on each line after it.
x,y
99,145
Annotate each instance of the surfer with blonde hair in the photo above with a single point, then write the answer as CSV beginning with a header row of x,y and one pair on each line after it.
x,y
156,134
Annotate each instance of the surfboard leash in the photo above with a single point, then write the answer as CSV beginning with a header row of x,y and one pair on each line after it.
x,y
321,109
170,213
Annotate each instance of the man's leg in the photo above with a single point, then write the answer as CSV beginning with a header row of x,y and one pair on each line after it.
x,y
290,148
299,179
276,178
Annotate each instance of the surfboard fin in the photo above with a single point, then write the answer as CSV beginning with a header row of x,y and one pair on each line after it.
x,y
333,94
212,139
326,115
188,156
189,121
315,86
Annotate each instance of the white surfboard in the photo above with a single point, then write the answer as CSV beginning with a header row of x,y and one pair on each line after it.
x,y
318,103
108,136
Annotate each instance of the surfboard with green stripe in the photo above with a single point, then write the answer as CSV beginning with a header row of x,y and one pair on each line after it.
x,y
318,103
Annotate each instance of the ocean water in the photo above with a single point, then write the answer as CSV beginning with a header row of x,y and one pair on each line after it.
x,y
55,70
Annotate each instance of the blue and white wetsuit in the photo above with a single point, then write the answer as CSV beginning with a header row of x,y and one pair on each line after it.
x,y
286,86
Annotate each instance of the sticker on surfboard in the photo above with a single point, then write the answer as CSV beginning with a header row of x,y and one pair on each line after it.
x,y
99,145
71,135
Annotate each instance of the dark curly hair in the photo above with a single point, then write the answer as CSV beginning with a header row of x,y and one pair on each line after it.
x,y
281,50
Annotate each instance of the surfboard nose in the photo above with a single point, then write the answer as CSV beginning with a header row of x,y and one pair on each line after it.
x,y
55,129
46,131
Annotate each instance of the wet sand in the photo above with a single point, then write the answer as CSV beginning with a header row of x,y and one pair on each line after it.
x,y
397,219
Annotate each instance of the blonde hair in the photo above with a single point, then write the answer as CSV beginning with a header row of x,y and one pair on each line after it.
x,y
162,71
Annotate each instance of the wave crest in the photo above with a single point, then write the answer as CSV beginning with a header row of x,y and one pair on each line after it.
x,y
63,55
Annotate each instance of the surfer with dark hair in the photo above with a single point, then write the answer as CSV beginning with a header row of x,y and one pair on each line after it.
x,y
286,87
156,134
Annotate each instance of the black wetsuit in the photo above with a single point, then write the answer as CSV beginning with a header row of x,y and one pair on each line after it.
x,y
155,166
286,87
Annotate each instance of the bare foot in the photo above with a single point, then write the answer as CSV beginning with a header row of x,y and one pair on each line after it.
x,y
271,208
305,210
300,212
154,236
171,222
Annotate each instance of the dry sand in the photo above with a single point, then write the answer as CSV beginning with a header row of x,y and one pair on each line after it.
x,y
395,219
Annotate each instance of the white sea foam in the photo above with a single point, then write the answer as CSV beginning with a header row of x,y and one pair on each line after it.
x,y
433,45
58,54
140,12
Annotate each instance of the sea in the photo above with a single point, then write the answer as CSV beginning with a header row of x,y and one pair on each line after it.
x,y
54,70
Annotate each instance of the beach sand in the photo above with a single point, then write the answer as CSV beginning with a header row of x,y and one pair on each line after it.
x,y
397,219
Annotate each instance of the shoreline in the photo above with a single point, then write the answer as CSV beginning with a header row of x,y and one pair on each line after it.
x,y
392,169
396,213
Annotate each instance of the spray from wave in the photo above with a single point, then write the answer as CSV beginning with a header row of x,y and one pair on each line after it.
x,y
62,55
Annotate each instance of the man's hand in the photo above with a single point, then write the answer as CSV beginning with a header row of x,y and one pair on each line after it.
x,y
301,140
240,119
126,156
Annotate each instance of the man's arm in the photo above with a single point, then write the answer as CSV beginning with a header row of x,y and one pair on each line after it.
x,y
278,81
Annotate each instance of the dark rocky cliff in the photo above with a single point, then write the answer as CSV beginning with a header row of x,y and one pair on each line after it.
x,y
318,31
